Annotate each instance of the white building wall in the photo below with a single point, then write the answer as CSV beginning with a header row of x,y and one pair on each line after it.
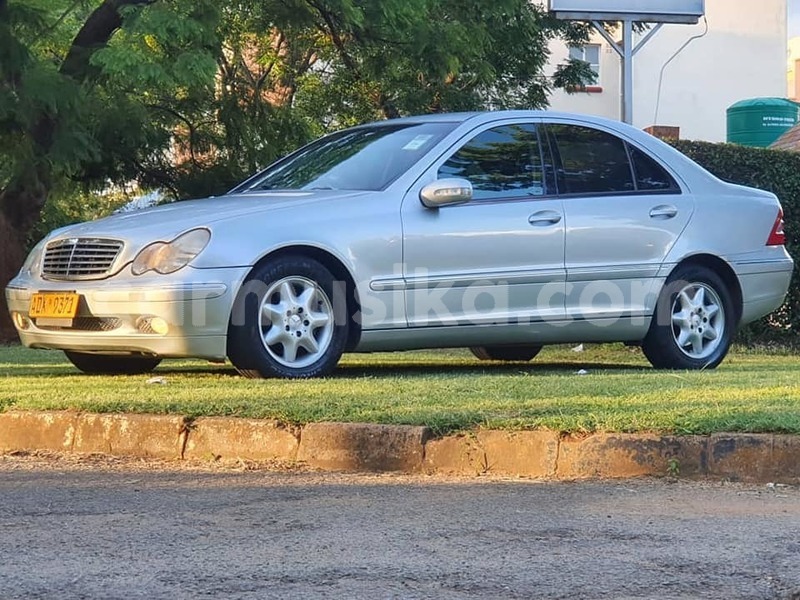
x,y
743,55
792,69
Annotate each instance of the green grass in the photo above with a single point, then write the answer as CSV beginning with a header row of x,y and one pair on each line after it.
x,y
445,390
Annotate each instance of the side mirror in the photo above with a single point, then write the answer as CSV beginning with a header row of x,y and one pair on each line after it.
x,y
446,191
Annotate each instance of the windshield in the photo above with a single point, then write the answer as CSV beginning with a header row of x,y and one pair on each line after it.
x,y
366,158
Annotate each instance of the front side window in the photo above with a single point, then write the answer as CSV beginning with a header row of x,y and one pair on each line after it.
x,y
501,163
364,158
590,161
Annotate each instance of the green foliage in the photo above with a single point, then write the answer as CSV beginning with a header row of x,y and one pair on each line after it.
x,y
33,95
81,97
164,49
445,55
776,171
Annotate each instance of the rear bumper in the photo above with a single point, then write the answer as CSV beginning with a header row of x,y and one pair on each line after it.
x,y
118,316
764,286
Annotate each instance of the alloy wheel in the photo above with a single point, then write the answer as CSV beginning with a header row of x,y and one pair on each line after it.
x,y
297,322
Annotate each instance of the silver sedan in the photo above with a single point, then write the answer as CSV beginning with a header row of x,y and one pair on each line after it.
x,y
500,231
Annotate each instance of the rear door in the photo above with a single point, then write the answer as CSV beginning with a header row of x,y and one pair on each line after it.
x,y
624,211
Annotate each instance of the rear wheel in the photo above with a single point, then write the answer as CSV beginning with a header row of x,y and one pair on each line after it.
x,y
694,322
112,364
284,323
507,353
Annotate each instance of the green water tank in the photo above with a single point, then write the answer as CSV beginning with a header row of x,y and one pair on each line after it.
x,y
760,121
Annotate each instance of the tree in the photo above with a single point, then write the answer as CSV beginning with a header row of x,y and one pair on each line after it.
x,y
189,96
293,69
68,115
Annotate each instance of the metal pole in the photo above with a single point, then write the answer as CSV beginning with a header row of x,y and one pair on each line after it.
x,y
611,42
627,71
626,52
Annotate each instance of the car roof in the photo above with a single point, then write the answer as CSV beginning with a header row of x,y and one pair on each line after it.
x,y
492,115
460,117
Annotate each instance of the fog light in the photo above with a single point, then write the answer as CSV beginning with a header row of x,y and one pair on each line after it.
x,y
155,325
21,321
160,326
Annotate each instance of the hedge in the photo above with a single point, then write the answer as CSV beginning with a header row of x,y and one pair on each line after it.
x,y
777,171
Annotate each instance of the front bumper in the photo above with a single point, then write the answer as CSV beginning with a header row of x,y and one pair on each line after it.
x,y
172,316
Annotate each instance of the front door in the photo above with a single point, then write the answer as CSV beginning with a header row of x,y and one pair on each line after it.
x,y
498,259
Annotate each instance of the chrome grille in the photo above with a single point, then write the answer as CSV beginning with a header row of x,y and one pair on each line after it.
x,y
79,258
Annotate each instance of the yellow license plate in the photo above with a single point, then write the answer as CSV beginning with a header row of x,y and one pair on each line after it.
x,y
53,305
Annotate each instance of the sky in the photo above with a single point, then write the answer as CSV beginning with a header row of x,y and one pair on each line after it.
x,y
794,18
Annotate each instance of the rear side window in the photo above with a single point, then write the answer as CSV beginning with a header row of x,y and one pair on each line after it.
x,y
590,161
501,163
650,176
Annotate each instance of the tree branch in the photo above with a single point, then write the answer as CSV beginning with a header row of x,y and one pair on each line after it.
x,y
186,121
309,59
259,83
159,177
60,19
278,42
335,37
94,35
387,107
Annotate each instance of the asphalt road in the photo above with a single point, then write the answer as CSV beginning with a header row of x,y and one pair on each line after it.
x,y
116,529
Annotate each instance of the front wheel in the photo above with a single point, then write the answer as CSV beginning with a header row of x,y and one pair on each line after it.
x,y
507,353
694,322
285,322
112,364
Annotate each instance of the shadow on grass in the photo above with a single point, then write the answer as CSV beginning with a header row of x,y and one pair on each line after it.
x,y
421,369
427,369
345,371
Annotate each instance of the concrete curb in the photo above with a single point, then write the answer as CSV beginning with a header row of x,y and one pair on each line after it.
x,y
367,447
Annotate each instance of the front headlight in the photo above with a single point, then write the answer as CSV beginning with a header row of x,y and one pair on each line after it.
x,y
168,257
33,262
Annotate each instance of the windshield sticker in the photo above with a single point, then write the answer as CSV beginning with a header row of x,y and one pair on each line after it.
x,y
417,143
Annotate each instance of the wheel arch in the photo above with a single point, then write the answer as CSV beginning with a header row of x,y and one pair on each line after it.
x,y
340,273
724,270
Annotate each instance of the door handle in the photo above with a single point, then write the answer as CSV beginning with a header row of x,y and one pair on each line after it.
x,y
544,217
663,211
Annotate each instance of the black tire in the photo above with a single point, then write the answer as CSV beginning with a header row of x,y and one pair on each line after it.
x,y
680,335
112,364
507,353
260,349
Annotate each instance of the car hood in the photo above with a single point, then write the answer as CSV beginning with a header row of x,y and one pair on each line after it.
x,y
166,221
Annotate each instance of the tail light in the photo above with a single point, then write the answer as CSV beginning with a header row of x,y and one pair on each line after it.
x,y
776,236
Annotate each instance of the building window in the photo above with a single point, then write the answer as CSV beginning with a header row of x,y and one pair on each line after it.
x,y
589,53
